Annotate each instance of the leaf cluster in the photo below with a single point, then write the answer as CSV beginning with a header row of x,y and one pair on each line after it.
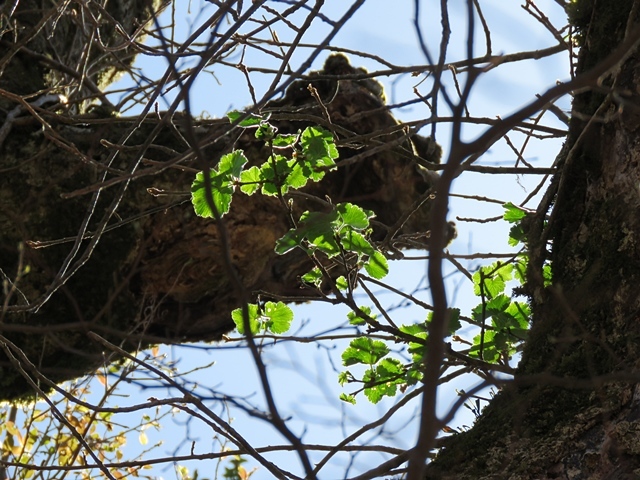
x,y
295,160
341,234
386,375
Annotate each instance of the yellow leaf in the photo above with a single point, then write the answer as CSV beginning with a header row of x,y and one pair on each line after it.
x,y
14,432
242,473
142,438
11,428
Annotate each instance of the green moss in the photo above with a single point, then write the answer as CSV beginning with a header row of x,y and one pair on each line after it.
x,y
604,21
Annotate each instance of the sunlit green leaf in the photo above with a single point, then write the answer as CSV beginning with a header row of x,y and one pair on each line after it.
x,y
231,164
493,307
299,175
251,180
354,216
319,150
221,192
348,398
520,268
265,131
342,284
285,140
416,349
389,368
344,377
377,265
279,317
274,171
517,235
252,119
314,277
354,319
383,379
288,241
547,274
491,280
521,313
512,213
364,350
356,242
317,228
221,185
254,315
489,351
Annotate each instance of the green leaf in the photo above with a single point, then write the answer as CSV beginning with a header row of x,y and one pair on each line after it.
x,y
418,330
229,169
415,329
492,279
498,304
313,277
493,307
348,398
547,274
512,213
299,176
319,151
354,319
317,228
318,143
265,131
251,180
231,164
377,266
342,284
375,394
517,235
279,317
364,350
252,119
254,315
356,242
387,375
520,312
344,378
453,319
414,374
221,191
489,353
520,269
389,368
285,140
290,240
274,171
354,216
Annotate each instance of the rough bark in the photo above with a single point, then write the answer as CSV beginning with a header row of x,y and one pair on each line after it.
x,y
156,274
574,409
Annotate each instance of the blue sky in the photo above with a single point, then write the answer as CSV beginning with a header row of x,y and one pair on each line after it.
x,y
303,375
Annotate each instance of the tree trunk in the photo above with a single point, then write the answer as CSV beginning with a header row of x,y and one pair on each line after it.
x,y
156,272
573,410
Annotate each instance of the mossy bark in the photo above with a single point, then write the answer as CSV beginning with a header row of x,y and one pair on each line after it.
x,y
157,274
566,416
